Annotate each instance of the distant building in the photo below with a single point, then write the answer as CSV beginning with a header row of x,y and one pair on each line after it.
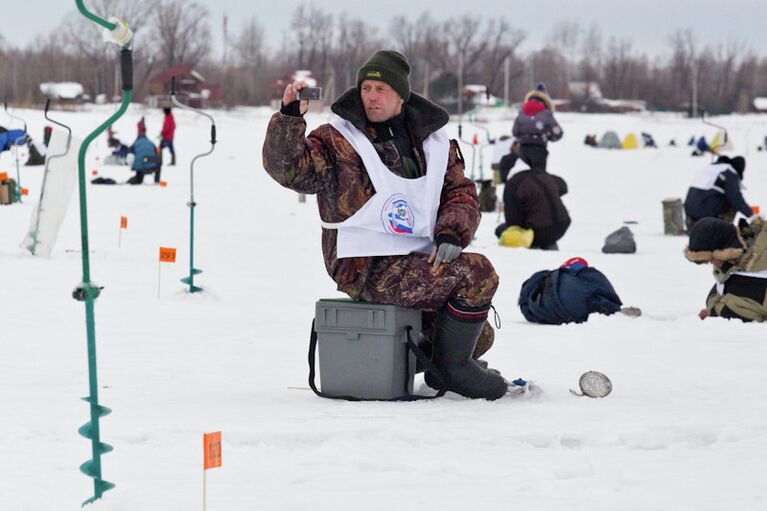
x,y
65,92
587,97
278,88
191,88
477,95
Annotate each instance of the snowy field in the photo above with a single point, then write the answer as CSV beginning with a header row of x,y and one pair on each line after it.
x,y
684,429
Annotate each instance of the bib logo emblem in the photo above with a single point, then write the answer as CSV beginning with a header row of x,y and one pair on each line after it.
x,y
396,215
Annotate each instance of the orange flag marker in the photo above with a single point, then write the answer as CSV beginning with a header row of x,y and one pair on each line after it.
x,y
167,255
123,225
163,183
211,450
211,458
24,191
3,176
755,209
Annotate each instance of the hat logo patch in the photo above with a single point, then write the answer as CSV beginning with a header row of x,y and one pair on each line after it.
x,y
373,74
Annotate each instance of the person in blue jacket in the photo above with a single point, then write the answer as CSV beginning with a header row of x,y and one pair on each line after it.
x,y
715,192
9,138
146,160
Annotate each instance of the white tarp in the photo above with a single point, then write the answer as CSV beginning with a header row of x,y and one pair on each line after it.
x,y
56,192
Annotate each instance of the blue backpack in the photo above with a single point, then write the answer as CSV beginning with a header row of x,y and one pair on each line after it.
x,y
567,295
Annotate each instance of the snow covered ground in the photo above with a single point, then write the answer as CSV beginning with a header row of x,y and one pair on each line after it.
x,y
684,429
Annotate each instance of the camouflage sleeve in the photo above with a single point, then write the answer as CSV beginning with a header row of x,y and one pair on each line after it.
x,y
297,162
458,215
731,306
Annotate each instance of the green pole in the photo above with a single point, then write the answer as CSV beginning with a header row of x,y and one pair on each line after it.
x,y
86,291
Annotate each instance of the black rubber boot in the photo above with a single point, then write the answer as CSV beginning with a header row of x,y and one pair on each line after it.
x,y
454,343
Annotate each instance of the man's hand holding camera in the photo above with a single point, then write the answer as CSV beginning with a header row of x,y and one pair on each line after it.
x,y
291,94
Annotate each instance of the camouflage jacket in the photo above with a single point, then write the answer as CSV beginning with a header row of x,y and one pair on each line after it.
x,y
324,163
741,296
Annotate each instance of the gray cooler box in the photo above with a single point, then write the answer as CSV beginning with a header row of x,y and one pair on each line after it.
x,y
363,348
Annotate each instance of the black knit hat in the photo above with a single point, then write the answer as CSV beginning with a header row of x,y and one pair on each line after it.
x,y
712,238
534,155
738,163
390,67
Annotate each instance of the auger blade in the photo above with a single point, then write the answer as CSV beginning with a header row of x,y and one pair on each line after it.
x,y
99,487
102,410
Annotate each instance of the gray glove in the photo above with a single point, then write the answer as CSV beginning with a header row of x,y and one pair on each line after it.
x,y
444,253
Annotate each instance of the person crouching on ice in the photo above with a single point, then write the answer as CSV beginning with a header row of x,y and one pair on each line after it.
x,y
397,212
739,257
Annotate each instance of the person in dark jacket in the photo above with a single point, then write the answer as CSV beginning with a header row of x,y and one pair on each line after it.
x,y
535,125
508,161
739,257
532,200
715,192
377,246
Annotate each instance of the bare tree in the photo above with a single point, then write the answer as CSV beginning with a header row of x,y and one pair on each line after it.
x,y
501,41
590,64
311,37
566,37
180,32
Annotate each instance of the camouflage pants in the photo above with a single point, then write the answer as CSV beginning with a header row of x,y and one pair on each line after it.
x,y
410,281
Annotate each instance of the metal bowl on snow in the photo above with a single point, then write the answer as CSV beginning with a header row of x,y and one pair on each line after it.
x,y
595,384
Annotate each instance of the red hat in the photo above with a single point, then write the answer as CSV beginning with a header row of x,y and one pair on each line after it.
x,y
576,263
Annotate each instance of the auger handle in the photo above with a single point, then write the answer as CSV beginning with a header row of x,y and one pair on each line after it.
x,y
126,68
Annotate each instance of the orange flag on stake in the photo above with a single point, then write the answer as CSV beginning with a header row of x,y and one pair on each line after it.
x,y
123,222
167,255
24,191
211,443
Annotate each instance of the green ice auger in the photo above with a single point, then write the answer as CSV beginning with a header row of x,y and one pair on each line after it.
x,y
87,291
36,231
192,204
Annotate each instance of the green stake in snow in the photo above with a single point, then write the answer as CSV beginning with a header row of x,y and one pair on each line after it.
x,y
118,32
192,204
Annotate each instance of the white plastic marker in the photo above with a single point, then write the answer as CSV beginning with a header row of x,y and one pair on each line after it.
x,y
167,255
211,454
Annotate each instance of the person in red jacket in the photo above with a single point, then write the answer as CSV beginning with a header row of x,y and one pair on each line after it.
x,y
166,136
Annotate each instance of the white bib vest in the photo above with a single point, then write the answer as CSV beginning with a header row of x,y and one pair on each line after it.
x,y
400,217
753,274
706,177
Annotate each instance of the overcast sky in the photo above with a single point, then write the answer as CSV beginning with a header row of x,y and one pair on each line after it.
x,y
646,23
